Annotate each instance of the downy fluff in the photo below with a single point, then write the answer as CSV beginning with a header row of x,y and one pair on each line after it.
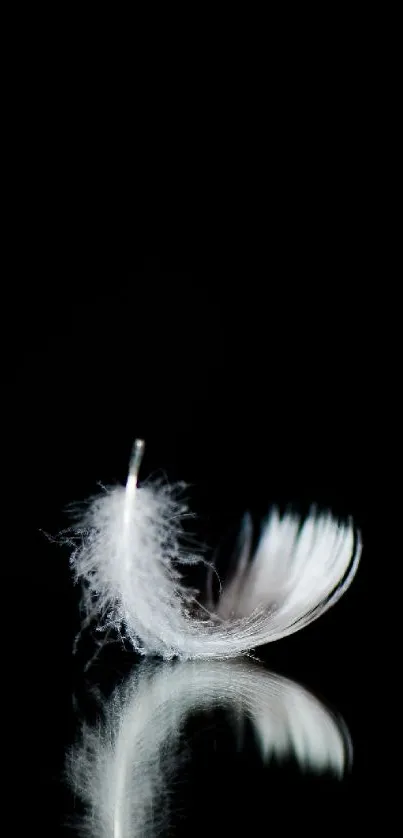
x,y
128,555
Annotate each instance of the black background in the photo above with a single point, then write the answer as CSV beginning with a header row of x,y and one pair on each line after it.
x,y
254,388
219,278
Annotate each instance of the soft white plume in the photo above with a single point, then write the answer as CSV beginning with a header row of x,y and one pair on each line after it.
x,y
128,552
122,767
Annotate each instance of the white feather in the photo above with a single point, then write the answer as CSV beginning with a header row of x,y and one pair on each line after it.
x,y
121,769
128,554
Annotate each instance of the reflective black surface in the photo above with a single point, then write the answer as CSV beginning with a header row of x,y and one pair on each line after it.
x,y
237,401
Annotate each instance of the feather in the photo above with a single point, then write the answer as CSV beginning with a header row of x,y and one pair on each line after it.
x,y
128,554
122,767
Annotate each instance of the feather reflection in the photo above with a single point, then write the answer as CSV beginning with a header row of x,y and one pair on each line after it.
x,y
122,768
